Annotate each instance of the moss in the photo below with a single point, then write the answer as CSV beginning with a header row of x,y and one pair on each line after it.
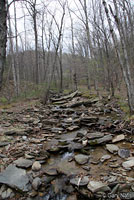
x,y
93,142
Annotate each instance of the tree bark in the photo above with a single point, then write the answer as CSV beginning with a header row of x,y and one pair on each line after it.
x,y
3,38
125,66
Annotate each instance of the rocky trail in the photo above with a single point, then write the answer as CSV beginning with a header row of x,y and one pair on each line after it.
x,y
73,148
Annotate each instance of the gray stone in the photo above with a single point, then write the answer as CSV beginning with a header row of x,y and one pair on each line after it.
x,y
7,194
112,179
81,159
105,157
95,135
2,144
9,132
75,146
105,139
24,163
81,133
36,166
98,186
15,131
78,181
3,189
124,153
51,171
24,137
36,183
118,138
85,120
130,179
128,164
15,178
112,148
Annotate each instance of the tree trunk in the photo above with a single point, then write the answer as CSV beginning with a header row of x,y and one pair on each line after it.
x,y
125,67
3,38
36,50
12,55
17,54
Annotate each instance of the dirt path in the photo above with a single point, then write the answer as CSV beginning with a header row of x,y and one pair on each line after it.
x,y
74,148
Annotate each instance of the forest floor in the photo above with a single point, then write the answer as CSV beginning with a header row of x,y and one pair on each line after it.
x,y
72,148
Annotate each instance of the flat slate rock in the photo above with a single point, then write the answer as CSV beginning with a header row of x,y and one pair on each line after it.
x,y
95,135
89,119
3,144
118,138
105,157
24,163
81,159
80,181
105,139
51,172
98,186
15,178
129,163
124,153
112,148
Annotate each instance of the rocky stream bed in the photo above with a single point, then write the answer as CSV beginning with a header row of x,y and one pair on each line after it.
x,y
73,148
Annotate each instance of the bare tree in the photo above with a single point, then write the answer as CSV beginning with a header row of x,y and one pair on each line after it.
x,y
3,37
125,66
33,13
16,53
57,46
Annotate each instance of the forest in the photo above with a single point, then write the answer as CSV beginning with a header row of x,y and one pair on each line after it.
x,y
64,45
66,99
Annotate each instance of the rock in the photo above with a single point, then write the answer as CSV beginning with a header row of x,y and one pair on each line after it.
x,y
124,153
128,164
27,156
66,97
57,130
36,183
54,149
81,133
68,168
98,186
15,178
51,172
72,197
95,135
112,179
36,166
84,142
78,181
130,179
71,128
32,194
112,148
81,159
3,144
105,139
105,157
86,120
115,165
7,194
2,155
118,138
10,132
73,146
24,137
15,131
24,163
